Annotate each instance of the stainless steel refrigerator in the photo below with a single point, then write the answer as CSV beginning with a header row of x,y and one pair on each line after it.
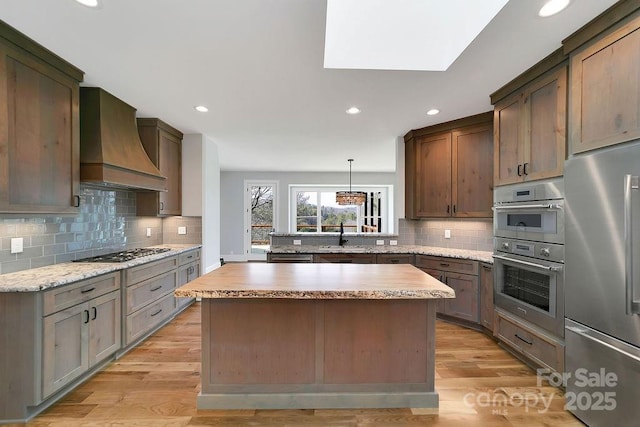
x,y
602,285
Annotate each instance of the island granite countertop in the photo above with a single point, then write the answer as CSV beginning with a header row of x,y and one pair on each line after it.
x,y
482,256
42,278
316,281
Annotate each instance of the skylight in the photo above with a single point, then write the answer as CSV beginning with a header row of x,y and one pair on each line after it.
x,y
403,34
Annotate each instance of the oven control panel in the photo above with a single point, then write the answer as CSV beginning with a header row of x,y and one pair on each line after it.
x,y
549,251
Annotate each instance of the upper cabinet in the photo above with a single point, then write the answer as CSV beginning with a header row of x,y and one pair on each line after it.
x,y
449,169
39,128
605,88
530,129
163,144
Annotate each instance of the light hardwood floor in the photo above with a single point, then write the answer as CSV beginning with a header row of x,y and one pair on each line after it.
x,y
156,385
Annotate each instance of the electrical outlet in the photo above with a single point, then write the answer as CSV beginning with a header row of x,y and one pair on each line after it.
x,y
379,242
182,230
148,231
297,242
393,242
17,245
447,234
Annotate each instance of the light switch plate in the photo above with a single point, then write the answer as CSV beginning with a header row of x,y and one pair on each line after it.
x,y
379,242
17,245
447,234
297,242
393,242
148,231
182,230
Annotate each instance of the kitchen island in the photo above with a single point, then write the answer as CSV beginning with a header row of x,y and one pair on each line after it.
x,y
317,336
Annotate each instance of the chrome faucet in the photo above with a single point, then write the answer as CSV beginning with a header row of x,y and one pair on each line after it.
x,y
342,241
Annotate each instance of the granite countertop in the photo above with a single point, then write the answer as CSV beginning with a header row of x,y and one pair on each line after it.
x,y
316,281
39,279
482,256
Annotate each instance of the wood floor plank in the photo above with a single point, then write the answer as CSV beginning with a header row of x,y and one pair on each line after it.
x,y
156,385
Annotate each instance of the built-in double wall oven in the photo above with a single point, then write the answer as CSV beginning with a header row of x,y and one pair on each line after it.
x,y
528,224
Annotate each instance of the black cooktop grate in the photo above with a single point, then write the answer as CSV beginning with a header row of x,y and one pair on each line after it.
x,y
124,256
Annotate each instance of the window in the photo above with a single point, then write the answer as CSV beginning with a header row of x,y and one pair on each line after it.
x,y
314,210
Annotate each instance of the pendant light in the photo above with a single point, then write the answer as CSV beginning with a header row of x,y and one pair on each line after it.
x,y
350,197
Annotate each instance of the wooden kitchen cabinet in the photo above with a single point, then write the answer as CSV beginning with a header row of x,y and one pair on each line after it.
x,y
77,337
449,170
462,276
395,259
39,121
486,296
188,270
163,144
605,88
347,258
530,130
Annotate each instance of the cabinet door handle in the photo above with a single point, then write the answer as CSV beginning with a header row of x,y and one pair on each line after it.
x,y
486,267
454,208
524,169
86,312
447,208
519,170
523,340
156,313
95,313
156,288
190,256
86,291
161,206
444,264
76,201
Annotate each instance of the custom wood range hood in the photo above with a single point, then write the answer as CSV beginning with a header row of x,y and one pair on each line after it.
x,y
111,153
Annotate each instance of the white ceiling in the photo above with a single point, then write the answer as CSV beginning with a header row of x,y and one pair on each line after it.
x,y
258,66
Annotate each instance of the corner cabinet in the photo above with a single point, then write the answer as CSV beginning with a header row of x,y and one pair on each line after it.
x,y
450,173
605,89
39,128
530,130
163,144
486,296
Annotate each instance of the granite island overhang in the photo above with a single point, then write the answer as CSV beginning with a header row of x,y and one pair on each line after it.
x,y
317,336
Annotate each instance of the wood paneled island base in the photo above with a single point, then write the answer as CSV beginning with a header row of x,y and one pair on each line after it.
x,y
318,336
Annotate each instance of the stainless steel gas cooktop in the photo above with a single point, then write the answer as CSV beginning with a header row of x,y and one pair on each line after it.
x,y
124,256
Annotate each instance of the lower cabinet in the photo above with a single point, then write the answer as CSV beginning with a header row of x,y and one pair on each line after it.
x,y
460,275
533,343
486,296
149,296
78,338
351,258
188,270
84,332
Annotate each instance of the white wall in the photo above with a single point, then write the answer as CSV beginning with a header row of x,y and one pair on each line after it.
x,y
232,199
201,193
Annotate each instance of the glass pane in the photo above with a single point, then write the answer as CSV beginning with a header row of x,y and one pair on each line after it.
x,y
527,286
524,220
307,211
333,214
261,218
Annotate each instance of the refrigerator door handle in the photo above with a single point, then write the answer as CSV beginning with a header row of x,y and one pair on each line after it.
x,y
632,306
585,334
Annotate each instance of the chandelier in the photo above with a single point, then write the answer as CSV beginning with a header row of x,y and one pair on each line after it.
x,y
350,197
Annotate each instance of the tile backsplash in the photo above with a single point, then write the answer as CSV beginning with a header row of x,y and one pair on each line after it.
x,y
193,229
106,222
465,234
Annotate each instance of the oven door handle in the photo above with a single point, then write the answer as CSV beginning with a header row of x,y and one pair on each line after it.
x,y
523,207
530,264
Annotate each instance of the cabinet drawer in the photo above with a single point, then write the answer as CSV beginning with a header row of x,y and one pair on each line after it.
x,y
394,259
540,348
447,264
69,295
188,257
137,274
148,291
140,322
345,258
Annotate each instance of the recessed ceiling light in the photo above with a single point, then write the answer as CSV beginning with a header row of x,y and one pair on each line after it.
x,y
433,112
201,108
353,110
89,3
552,7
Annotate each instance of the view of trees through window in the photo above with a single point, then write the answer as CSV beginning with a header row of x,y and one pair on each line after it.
x,y
308,219
261,214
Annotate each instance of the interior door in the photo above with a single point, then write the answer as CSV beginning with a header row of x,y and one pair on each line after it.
x,y
260,217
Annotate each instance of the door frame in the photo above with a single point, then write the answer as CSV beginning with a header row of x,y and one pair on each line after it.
x,y
248,183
